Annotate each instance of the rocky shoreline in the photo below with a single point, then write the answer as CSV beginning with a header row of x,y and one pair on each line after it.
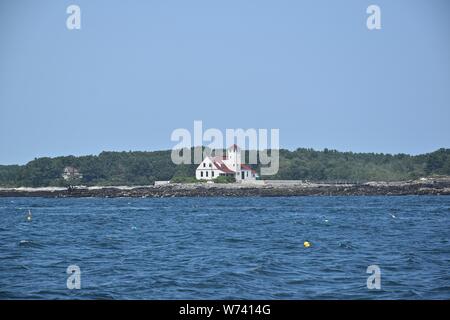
x,y
423,186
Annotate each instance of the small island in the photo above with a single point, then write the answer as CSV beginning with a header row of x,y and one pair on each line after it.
x,y
302,172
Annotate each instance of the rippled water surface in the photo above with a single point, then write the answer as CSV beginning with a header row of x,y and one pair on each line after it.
x,y
226,248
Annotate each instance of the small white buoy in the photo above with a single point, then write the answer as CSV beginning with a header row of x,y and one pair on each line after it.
x,y
29,215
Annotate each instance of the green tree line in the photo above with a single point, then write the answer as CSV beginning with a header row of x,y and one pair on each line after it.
x,y
143,168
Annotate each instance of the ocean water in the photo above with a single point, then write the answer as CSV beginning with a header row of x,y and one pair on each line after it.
x,y
226,248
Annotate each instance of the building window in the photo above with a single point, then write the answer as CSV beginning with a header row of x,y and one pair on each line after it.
x,y
247,173
206,173
201,173
204,165
212,174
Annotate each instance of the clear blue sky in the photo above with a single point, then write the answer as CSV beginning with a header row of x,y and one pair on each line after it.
x,y
139,69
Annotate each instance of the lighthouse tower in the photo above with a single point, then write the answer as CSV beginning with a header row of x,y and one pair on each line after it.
x,y
234,157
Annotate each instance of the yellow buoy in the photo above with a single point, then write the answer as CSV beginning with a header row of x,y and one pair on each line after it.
x,y
306,244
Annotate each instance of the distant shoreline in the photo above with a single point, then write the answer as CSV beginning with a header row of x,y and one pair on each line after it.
x,y
425,186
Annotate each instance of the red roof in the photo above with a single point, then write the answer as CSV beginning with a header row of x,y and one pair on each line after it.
x,y
246,167
218,163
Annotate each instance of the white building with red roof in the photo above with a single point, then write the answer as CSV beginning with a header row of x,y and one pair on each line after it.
x,y
229,165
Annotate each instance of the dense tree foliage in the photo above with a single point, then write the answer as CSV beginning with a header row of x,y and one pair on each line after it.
x,y
143,168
